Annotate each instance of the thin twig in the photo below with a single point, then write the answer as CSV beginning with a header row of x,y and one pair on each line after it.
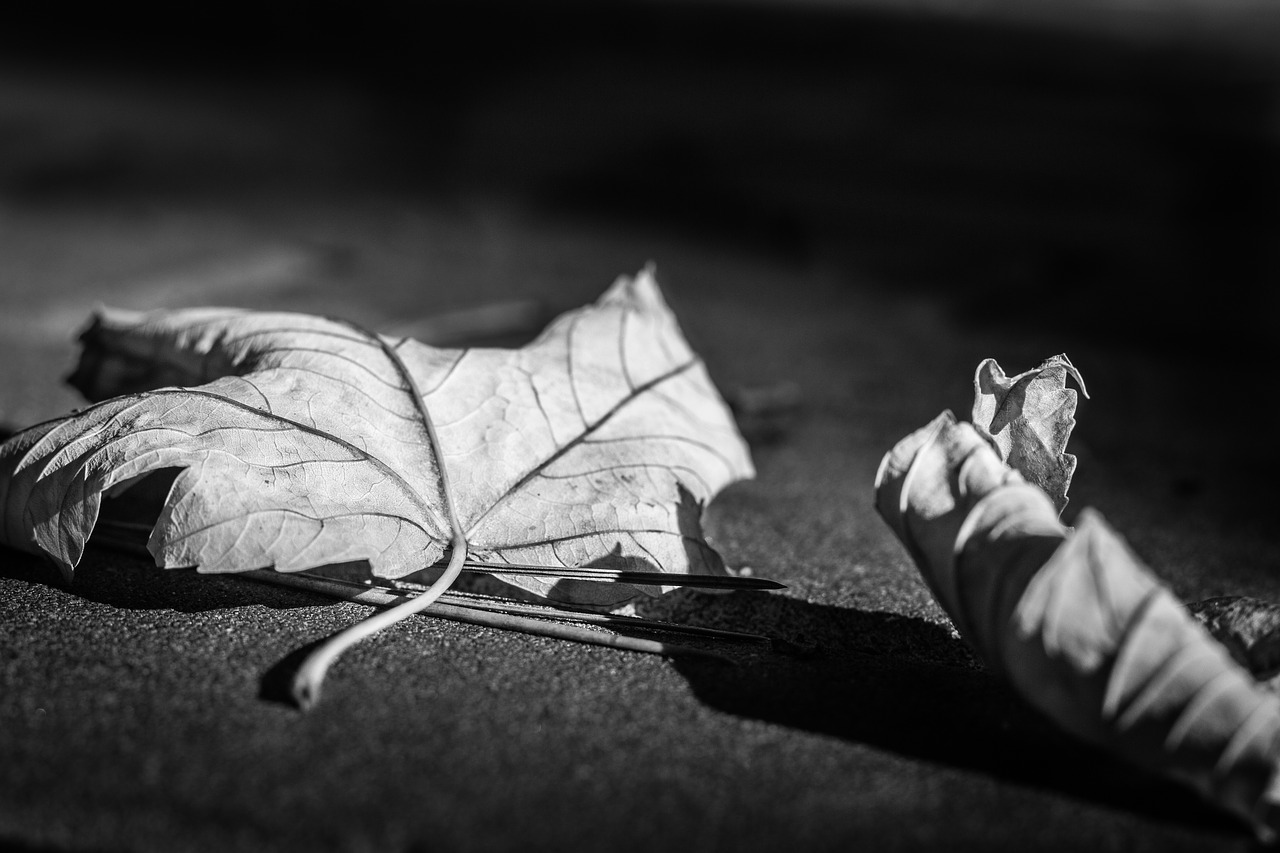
x,y
489,611
382,597
588,573
593,617
568,612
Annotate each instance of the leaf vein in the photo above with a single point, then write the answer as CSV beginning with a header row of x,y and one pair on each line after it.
x,y
448,374
647,465
569,362
583,437
354,362
622,350
321,520
372,399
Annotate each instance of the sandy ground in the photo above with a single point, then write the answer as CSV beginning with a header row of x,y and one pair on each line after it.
x,y
139,709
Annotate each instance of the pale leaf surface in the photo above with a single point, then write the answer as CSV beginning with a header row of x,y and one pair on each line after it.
x,y
1080,627
1029,417
302,442
1249,628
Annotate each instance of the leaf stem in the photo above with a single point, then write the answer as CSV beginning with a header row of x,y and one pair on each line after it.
x,y
306,684
451,604
310,675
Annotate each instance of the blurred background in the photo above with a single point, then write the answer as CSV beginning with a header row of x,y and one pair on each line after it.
x,y
1104,166
858,199
1026,178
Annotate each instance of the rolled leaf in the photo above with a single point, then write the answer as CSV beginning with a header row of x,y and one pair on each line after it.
x,y
1029,418
1077,624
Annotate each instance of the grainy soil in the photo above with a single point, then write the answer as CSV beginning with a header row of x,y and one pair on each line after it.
x,y
859,206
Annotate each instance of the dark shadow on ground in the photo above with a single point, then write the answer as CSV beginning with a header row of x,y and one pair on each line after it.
x,y
132,583
135,584
908,686
118,570
277,682
13,845
890,681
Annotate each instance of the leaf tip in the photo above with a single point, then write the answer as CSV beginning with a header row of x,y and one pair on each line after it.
x,y
988,367
640,291
305,691
65,570
1061,360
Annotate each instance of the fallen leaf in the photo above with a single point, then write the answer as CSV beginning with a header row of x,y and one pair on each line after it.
x,y
305,441
1248,627
1077,624
1029,417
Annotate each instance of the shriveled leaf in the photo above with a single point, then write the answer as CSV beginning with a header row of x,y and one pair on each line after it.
x,y
1248,627
1030,417
306,441
1078,625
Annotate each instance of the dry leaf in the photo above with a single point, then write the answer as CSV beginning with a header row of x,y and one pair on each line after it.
x,y
309,441
1248,627
1030,417
1077,624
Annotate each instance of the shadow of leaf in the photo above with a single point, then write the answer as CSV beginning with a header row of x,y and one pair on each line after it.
x,y
117,570
906,685
276,684
134,584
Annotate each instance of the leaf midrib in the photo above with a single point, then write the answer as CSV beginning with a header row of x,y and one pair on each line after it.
x,y
634,393
458,535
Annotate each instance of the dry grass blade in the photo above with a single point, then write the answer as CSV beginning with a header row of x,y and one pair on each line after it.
x,y
460,612
624,576
594,617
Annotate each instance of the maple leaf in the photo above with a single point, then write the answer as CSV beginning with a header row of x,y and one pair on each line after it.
x,y
305,441
1029,417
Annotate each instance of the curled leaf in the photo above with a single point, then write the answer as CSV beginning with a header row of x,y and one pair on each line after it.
x,y
1077,624
1248,627
1029,417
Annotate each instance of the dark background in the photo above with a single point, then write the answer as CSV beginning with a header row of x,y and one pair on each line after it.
x,y
854,199
1101,167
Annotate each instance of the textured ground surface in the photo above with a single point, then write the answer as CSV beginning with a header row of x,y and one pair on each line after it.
x,y
867,223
